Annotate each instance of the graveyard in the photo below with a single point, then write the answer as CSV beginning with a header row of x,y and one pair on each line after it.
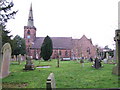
x,y
69,74
55,62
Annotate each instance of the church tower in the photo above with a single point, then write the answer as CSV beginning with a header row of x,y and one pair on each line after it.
x,y
29,31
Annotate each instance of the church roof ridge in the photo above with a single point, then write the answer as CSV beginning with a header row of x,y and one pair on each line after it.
x,y
58,42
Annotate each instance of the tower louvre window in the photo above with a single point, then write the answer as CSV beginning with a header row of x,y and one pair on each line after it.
x,y
28,32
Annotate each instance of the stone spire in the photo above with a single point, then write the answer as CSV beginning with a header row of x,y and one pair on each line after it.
x,y
30,18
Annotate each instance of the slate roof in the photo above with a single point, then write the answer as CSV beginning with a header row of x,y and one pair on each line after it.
x,y
58,42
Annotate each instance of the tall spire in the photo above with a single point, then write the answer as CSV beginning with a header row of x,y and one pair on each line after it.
x,y
30,17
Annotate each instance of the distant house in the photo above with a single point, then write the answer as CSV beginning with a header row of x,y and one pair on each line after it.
x,y
66,46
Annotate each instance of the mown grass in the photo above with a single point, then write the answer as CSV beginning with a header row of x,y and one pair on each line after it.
x,y
70,74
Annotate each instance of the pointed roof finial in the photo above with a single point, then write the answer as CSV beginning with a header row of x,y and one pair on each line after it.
x,y
30,17
31,7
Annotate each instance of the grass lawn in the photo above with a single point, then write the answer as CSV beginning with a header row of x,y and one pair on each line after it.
x,y
70,74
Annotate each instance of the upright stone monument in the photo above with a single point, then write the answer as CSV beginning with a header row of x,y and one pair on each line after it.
x,y
29,64
97,63
105,61
116,69
107,55
50,83
6,56
19,59
14,57
25,56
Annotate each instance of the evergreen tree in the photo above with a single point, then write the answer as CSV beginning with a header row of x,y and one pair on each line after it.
x,y
46,48
5,11
18,46
5,14
5,37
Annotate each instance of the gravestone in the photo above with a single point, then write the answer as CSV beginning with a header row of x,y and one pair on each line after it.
x,y
6,56
105,61
50,84
19,59
82,62
97,63
14,57
25,56
29,64
116,69
107,55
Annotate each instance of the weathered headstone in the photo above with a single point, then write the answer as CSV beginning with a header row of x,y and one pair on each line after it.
x,y
14,57
105,61
19,59
29,64
82,62
116,69
50,84
97,63
107,55
25,56
6,56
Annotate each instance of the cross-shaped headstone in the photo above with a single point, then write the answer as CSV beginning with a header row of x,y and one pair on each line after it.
x,y
116,70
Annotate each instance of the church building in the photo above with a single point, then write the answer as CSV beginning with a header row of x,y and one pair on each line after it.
x,y
66,46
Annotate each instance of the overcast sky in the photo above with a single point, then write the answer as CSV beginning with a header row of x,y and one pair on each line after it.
x,y
97,19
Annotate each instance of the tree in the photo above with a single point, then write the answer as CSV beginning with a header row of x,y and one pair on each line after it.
x,y
5,37
5,14
18,45
5,11
46,48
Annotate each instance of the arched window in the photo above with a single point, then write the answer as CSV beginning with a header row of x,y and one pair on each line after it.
x,y
88,50
55,52
28,32
66,53
60,53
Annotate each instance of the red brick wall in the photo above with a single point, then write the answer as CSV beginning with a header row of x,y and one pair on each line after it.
x,y
32,35
81,48
63,53
35,53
